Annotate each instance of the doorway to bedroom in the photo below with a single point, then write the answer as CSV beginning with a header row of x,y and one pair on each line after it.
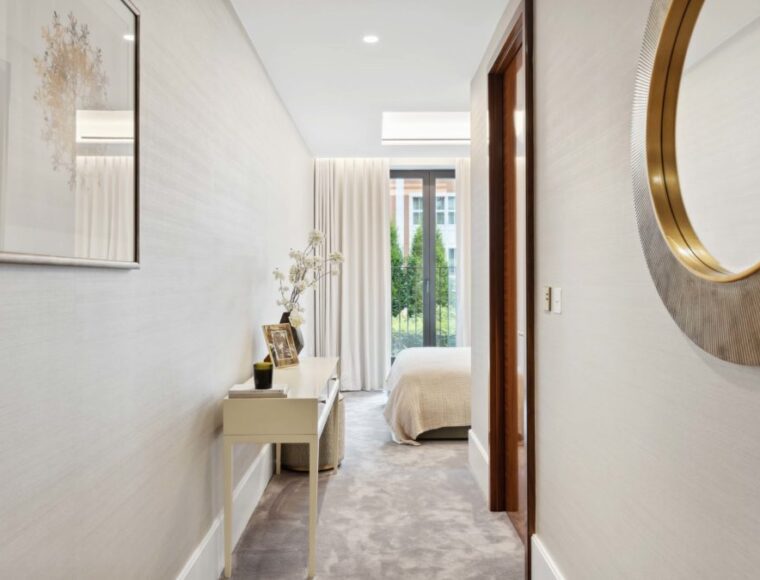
x,y
423,234
512,287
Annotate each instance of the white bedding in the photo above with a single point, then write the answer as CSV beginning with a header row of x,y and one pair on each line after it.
x,y
428,388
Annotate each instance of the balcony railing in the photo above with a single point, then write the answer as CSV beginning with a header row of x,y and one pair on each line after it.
x,y
407,327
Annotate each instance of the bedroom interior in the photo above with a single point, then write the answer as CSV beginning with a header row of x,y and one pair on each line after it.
x,y
430,289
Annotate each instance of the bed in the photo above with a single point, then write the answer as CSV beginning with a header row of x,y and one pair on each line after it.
x,y
428,393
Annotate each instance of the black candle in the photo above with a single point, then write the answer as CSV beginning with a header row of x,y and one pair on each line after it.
x,y
262,375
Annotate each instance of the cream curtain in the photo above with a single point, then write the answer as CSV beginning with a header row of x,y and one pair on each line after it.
x,y
464,247
353,310
105,208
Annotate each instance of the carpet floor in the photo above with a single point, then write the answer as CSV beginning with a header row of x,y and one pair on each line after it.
x,y
390,512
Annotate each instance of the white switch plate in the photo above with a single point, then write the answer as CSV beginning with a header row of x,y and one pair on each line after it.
x,y
547,298
556,300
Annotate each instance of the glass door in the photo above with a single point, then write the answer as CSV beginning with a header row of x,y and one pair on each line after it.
x,y
423,259
445,264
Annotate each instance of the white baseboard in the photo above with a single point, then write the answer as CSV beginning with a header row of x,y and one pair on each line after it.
x,y
207,560
542,565
478,462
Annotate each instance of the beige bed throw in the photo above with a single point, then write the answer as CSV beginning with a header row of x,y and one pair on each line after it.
x,y
428,388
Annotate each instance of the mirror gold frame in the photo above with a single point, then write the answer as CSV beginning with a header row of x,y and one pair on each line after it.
x,y
717,308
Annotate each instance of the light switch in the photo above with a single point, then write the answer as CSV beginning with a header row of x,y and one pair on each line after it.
x,y
547,298
556,295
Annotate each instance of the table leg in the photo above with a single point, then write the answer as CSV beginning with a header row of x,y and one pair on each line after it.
x,y
336,431
227,508
277,458
313,500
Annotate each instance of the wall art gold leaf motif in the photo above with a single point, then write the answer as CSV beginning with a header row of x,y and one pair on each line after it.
x,y
71,77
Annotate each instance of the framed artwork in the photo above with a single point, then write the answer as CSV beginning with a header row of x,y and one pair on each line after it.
x,y
69,132
282,349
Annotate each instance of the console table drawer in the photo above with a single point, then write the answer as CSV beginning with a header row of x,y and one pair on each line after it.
x,y
270,416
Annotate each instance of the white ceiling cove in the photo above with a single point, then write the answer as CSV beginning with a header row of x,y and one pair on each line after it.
x,y
336,87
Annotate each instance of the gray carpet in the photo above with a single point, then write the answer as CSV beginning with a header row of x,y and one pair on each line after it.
x,y
391,511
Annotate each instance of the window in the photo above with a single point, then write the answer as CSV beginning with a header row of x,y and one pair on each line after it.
x,y
452,202
423,251
440,210
417,211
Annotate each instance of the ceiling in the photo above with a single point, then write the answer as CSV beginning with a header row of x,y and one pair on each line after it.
x,y
336,87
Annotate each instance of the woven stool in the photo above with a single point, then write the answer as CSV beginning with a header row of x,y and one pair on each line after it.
x,y
332,444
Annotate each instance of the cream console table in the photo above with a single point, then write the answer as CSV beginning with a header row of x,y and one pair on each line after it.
x,y
299,418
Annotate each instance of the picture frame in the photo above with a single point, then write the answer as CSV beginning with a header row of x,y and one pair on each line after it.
x,y
280,344
69,133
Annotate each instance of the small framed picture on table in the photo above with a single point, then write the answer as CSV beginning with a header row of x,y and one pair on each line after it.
x,y
282,348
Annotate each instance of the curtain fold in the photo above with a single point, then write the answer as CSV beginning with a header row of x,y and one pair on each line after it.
x,y
464,247
353,310
105,208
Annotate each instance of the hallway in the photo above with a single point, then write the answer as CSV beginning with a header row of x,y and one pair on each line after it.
x,y
391,511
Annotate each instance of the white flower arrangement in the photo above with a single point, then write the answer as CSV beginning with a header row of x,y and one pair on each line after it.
x,y
307,269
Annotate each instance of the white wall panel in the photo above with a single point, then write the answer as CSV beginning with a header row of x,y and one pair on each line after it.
x,y
647,448
111,381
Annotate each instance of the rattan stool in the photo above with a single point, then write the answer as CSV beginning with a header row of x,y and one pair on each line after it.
x,y
332,444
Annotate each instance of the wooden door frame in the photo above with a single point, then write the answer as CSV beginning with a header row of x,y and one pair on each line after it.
x,y
503,319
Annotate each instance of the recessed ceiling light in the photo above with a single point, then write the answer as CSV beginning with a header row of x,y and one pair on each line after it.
x,y
129,37
371,39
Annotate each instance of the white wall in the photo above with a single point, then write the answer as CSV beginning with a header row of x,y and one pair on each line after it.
x,y
5,77
647,448
111,381
479,251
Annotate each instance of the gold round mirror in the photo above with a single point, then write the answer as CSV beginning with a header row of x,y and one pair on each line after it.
x,y
704,136
696,169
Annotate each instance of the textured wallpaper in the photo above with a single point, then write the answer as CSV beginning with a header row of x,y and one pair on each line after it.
x,y
646,449
647,454
111,381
